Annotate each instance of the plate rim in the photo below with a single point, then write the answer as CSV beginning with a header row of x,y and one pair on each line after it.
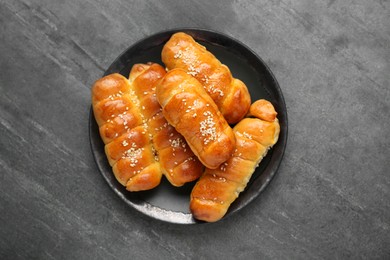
x,y
187,218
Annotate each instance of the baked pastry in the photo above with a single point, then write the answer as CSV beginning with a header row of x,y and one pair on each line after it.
x,y
214,192
178,162
188,107
139,143
230,94
128,147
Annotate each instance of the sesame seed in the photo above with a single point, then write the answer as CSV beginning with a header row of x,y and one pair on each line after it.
x,y
247,135
192,70
177,143
214,90
178,54
222,179
132,154
223,166
207,128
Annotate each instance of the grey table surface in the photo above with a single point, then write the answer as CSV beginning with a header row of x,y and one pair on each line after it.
x,y
330,197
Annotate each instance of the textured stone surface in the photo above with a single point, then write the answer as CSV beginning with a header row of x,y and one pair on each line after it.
x,y
330,198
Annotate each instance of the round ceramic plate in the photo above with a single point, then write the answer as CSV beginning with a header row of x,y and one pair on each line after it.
x,y
171,204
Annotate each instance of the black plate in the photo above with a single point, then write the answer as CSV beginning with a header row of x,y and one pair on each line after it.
x,y
166,202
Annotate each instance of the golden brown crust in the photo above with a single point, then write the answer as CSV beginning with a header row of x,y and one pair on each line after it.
x,y
218,188
188,107
172,150
134,131
123,131
230,94
263,109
